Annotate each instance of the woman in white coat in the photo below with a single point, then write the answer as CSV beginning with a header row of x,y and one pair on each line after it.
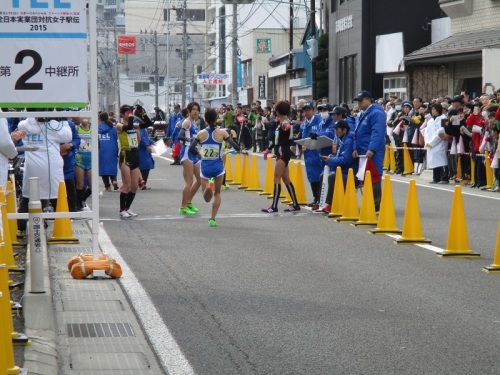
x,y
46,162
436,142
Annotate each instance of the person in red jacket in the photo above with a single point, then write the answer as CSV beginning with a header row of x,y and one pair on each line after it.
x,y
477,124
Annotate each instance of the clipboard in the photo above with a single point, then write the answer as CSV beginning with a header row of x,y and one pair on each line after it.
x,y
320,142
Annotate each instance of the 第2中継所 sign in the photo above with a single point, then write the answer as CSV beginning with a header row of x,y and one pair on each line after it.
x,y
43,63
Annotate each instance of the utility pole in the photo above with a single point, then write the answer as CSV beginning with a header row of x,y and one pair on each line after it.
x,y
184,53
313,36
168,59
156,69
117,80
234,91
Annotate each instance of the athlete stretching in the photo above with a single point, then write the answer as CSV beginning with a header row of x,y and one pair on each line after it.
x,y
212,168
281,147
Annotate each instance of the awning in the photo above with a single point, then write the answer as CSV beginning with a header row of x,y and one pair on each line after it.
x,y
459,46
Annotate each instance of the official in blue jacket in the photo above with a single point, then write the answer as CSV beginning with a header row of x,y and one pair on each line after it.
x,y
369,139
146,161
342,159
175,117
68,154
314,166
327,129
108,152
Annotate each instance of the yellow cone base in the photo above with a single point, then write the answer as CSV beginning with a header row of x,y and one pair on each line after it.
x,y
385,231
14,370
63,240
493,268
250,190
18,244
234,183
15,269
21,340
454,254
333,215
265,194
339,219
409,241
367,223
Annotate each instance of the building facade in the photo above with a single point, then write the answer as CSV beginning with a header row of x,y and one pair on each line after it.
x,y
368,40
465,60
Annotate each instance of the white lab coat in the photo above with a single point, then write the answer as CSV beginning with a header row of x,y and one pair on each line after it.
x,y
7,151
437,155
46,163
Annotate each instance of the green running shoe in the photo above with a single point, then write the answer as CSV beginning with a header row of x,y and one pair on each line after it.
x,y
191,207
186,211
212,223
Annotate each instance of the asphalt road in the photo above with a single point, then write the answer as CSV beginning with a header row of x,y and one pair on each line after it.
x,y
302,294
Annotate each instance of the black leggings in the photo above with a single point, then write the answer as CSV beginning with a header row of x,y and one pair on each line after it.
x,y
106,180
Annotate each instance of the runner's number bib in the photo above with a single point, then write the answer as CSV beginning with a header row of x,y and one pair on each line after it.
x,y
210,151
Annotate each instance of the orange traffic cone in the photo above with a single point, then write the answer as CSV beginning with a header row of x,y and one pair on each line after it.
x,y
237,170
495,266
459,167
387,217
11,208
6,327
228,168
292,175
269,181
412,228
254,184
367,215
298,183
392,158
408,164
8,254
472,171
457,244
338,195
245,174
351,210
62,226
387,159
489,171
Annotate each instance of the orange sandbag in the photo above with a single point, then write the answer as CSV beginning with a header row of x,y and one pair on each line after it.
x,y
85,257
82,269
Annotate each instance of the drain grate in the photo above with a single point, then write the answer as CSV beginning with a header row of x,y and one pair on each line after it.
x,y
100,330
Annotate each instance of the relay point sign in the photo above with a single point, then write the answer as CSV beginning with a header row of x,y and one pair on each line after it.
x,y
43,63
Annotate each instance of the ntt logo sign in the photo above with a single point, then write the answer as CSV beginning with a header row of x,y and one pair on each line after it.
x,y
126,45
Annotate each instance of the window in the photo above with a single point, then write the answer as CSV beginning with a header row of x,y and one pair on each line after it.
x,y
141,86
110,2
191,14
395,86
247,73
343,1
348,67
333,6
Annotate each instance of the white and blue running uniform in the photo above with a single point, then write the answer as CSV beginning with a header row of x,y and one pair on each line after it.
x,y
189,134
211,163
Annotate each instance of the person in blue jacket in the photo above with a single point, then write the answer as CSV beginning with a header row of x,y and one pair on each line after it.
x,y
68,154
369,139
327,129
342,159
314,167
172,132
146,161
108,152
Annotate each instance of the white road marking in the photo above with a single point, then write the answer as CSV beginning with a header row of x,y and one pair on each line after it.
x,y
163,342
422,245
223,216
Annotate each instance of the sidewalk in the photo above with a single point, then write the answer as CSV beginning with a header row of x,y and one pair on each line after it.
x,y
82,326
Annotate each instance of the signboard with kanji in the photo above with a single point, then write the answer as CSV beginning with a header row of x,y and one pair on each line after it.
x,y
264,45
43,62
212,79
126,45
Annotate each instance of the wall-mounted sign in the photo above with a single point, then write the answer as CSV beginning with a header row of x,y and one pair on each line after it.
x,y
343,24
126,45
43,63
264,45
212,79
262,87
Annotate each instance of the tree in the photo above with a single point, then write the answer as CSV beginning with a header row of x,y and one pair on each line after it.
x,y
322,67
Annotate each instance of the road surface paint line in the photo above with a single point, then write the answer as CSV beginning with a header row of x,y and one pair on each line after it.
x,y
221,216
424,246
163,342
464,192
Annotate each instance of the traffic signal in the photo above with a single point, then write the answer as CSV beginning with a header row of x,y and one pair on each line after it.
x,y
313,48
